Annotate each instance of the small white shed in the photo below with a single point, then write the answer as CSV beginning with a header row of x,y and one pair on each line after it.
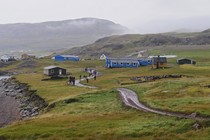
x,y
6,58
103,57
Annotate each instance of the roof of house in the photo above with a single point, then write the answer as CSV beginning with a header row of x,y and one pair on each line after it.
x,y
167,56
161,59
128,59
6,56
68,56
185,59
125,61
52,67
103,55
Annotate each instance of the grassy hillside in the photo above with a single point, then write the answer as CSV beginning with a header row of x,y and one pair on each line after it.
x,y
123,45
82,113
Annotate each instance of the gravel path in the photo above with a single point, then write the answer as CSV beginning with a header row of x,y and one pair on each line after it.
x,y
130,98
77,82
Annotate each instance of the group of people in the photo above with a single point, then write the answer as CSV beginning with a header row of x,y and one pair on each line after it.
x,y
91,73
87,80
71,80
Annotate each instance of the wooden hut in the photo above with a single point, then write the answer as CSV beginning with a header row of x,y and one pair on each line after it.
x,y
54,71
159,62
27,56
185,61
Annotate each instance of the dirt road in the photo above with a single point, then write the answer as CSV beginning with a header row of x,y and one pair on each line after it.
x,y
130,98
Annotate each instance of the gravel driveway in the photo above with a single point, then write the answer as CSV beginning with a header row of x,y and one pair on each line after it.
x,y
130,98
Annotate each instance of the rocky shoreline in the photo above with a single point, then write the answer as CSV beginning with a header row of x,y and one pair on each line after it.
x,y
17,101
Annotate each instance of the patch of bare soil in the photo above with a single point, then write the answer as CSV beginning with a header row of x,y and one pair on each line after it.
x,y
9,110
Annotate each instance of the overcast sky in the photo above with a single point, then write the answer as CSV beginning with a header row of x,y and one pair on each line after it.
x,y
139,15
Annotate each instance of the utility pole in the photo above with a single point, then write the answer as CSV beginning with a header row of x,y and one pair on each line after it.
x,y
158,62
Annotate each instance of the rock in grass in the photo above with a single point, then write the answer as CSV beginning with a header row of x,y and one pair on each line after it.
x,y
197,126
193,115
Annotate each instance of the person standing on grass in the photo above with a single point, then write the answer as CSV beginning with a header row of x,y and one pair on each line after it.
x,y
87,79
94,77
69,80
73,81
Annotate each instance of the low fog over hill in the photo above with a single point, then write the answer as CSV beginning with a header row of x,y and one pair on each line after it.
x,y
122,45
55,35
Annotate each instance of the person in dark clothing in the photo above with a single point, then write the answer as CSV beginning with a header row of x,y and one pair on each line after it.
x,y
69,80
73,81
87,79
94,72
94,77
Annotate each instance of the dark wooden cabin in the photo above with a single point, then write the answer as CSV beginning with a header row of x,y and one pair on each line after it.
x,y
54,71
185,61
159,62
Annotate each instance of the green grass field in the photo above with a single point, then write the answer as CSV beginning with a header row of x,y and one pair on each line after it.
x,y
99,113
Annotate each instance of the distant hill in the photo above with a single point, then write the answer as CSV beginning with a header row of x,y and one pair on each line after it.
x,y
55,35
206,31
184,30
122,45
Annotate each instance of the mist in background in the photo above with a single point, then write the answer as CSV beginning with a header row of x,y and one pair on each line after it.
x,y
141,16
